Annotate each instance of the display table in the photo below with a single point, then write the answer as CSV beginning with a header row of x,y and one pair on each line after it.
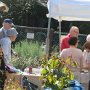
x,y
17,78
37,79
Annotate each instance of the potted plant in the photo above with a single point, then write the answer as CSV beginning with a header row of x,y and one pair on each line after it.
x,y
56,72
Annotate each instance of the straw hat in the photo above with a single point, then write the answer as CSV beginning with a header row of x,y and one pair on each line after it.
x,y
3,7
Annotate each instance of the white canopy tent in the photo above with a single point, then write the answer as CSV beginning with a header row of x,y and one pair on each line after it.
x,y
70,10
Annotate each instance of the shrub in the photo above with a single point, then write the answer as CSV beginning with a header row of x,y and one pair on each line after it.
x,y
56,72
28,54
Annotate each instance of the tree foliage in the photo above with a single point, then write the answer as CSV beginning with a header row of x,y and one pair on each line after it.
x,y
26,12
33,13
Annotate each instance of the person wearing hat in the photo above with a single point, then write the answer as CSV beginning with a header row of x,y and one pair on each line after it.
x,y
7,35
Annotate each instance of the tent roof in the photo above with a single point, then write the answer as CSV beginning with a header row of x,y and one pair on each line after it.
x,y
71,10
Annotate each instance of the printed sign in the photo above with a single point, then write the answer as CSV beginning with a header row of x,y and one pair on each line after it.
x,y
30,35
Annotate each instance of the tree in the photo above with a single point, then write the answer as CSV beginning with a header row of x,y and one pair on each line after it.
x,y
26,12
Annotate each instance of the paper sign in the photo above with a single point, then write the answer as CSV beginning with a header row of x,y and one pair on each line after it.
x,y
30,35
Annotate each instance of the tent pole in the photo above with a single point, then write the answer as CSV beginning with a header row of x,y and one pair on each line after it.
x,y
59,36
48,38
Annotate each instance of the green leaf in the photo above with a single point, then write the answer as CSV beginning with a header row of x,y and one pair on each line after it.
x,y
50,78
64,69
51,63
75,64
44,71
68,60
71,76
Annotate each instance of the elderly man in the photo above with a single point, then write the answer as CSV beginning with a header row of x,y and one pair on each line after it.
x,y
7,35
74,31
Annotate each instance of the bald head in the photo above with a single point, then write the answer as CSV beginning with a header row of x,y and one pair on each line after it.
x,y
74,31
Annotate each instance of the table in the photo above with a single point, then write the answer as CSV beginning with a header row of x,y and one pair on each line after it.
x,y
36,79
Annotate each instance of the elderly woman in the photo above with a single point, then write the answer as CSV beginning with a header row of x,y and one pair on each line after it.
x,y
74,32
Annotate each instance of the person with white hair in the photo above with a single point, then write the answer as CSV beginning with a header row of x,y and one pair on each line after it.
x,y
74,31
88,37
